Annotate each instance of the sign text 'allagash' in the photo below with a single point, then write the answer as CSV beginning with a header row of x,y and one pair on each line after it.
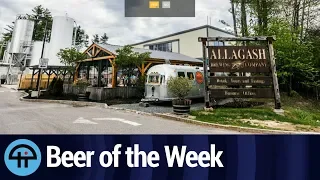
x,y
238,59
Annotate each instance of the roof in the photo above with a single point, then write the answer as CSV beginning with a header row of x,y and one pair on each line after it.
x,y
182,32
154,54
169,66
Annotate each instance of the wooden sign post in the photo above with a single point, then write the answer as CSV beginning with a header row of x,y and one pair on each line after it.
x,y
258,59
205,73
274,74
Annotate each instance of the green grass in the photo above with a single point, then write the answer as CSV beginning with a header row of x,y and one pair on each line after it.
x,y
298,111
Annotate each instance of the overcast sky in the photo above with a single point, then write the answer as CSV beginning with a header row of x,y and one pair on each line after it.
x,y
107,16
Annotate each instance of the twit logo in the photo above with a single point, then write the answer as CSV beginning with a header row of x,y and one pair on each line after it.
x,y
22,157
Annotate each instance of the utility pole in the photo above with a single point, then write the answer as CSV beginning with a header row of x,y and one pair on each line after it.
x,y
40,69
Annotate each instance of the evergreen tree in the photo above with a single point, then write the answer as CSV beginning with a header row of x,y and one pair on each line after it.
x,y
9,31
95,39
80,37
104,38
86,41
41,16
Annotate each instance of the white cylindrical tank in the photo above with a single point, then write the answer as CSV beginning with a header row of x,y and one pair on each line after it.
x,y
46,50
61,38
6,53
36,53
22,33
8,45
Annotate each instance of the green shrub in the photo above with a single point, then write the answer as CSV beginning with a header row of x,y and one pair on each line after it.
x,y
141,85
179,87
81,83
58,87
50,88
294,94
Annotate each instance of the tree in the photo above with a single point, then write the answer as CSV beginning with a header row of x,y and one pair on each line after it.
x,y
95,39
233,12
104,38
70,56
41,15
244,26
128,60
8,35
50,88
295,23
86,41
81,37
58,87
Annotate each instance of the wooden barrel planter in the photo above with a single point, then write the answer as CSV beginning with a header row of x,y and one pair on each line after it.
x,y
181,107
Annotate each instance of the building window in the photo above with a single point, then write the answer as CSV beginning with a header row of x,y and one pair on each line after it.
x,y
218,43
167,47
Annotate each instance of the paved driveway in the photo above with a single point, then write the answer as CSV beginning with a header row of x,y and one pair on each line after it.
x,y
17,117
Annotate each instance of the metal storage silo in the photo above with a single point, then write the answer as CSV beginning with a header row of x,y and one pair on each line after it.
x,y
20,47
8,46
61,38
36,53
46,50
6,53
22,35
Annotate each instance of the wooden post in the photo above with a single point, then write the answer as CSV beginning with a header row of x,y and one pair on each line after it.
x,y
31,83
146,68
100,72
88,70
93,52
274,74
107,80
142,69
114,73
48,78
114,76
76,72
205,74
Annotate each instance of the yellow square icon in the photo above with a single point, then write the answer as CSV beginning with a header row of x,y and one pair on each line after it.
x,y
154,4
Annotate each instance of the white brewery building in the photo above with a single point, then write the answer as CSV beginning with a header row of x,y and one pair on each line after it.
x,y
185,42
22,51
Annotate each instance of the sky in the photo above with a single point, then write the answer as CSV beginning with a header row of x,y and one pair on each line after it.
x,y
107,16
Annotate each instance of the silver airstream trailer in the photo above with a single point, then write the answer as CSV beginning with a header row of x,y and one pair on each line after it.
x,y
157,78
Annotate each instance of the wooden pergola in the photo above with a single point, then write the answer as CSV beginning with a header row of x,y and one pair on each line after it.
x,y
102,57
63,71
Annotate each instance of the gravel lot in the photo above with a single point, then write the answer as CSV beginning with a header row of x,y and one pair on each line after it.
x,y
167,108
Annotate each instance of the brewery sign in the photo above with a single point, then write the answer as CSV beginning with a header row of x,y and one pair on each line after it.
x,y
251,69
237,59
242,93
235,80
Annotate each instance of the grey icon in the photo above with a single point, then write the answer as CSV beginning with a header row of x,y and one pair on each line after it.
x,y
165,4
